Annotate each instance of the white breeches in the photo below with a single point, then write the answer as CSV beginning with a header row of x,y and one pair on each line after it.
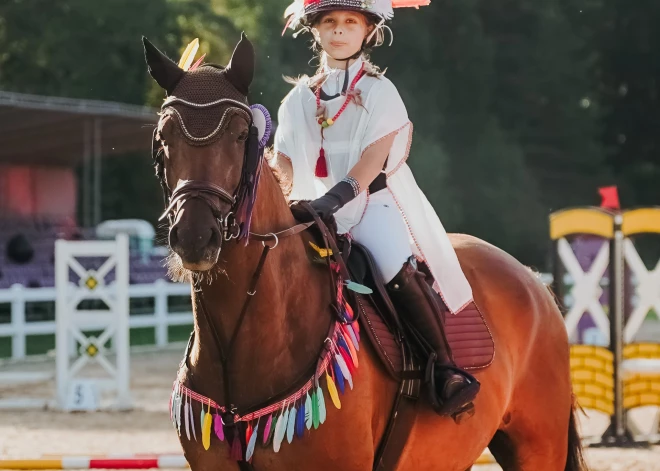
x,y
383,231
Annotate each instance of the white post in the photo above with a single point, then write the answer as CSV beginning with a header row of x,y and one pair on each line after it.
x,y
160,312
62,320
122,335
18,322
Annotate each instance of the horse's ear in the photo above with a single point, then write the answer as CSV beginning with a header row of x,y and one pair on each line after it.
x,y
240,70
163,69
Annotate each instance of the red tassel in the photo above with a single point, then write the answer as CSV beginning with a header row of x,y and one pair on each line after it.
x,y
321,165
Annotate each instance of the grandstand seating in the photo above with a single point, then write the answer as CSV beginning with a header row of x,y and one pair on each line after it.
x,y
42,234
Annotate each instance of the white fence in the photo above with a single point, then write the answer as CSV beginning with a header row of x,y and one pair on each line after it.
x,y
18,329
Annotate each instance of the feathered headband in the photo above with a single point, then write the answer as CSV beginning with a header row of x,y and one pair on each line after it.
x,y
301,10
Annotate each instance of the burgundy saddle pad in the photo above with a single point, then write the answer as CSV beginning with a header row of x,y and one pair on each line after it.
x,y
468,334
470,338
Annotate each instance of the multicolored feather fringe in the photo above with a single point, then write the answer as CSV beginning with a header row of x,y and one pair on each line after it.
x,y
286,419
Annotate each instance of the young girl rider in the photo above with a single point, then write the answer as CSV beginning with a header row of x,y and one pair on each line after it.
x,y
343,138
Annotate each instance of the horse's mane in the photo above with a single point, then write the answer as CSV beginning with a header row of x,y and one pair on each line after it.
x,y
282,179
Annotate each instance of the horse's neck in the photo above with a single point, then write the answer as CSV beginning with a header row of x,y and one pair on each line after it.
x,y
287,320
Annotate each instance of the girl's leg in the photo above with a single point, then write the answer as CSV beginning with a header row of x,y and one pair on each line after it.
x,y
383,231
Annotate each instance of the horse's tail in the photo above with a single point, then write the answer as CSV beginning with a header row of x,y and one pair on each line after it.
x,y
575,458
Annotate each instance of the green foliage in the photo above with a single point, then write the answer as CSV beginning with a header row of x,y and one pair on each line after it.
x,y
520,108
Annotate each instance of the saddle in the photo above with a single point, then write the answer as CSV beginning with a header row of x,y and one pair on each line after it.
x,y
468,334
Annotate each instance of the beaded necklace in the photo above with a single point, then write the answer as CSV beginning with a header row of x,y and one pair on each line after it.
x,y
321,170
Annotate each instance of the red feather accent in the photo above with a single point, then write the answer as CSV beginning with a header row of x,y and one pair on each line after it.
x,y
321,165
347,359
311,2
197,64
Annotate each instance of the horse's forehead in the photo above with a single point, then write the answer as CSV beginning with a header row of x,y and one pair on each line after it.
x,y
204,85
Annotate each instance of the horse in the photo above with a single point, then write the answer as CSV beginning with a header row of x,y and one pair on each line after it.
x,y
260,322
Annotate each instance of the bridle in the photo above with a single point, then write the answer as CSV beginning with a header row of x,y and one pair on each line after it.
x,y
235,224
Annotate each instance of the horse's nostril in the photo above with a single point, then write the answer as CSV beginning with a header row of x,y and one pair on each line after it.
x,y
174,238
215,240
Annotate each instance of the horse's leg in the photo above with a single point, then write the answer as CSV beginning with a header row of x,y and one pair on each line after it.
x,y
534,434
502,449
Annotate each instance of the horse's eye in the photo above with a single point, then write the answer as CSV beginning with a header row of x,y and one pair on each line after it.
x,y
243,136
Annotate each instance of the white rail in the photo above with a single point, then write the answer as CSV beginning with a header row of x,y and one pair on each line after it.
x,y
18,296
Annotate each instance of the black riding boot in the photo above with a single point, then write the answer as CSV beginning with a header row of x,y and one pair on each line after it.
x,y
451,390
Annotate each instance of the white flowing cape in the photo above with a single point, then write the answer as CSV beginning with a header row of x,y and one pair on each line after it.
x,y
383,113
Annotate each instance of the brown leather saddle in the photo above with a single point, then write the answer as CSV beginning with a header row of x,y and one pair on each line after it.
x,y
468,334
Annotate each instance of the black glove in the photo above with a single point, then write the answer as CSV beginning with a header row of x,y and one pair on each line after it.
x,y
327,205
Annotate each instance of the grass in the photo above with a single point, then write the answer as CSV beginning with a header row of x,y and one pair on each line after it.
x,y
42,344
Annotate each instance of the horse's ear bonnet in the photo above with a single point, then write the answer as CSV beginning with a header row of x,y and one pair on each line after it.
x,y
163,69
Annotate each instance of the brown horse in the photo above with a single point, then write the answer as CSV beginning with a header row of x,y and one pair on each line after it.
x,y
524,412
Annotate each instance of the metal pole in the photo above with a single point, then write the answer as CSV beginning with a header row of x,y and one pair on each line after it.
x,y
616,326
97,171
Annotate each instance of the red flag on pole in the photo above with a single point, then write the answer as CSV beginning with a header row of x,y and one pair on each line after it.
x,y
610,197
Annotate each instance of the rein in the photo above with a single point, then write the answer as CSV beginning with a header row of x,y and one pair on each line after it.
x,y
225,356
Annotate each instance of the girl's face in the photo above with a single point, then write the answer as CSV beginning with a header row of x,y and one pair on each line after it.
x,y
341,32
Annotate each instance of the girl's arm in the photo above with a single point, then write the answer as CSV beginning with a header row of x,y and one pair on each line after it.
x,y
372,161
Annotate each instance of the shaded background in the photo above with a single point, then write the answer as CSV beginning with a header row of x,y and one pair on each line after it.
x,y
520,108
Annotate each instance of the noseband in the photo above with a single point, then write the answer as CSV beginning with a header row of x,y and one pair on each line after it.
x,y
235,224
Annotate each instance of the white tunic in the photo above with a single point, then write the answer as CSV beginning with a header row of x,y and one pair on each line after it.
x,y
382,113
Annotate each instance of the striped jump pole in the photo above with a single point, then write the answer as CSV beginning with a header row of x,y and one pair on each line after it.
x,y
126,462
100,462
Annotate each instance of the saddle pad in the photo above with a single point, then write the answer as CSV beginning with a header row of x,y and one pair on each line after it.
x,y
470,339
468,334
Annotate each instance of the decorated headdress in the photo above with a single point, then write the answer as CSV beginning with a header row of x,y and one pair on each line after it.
x,y
301,11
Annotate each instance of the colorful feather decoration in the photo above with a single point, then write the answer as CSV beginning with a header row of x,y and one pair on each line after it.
x,y
280,430
291,426
271,433
349,310
207,421
192,421
197,63
348,332
179,402
187,418
339,377
315,409
252,443
269,422
300,420
346,343
332,390
309,417
356,332
218,427
351,351
347,360
236,452
344,370
304,409
321,403
188,55
358,288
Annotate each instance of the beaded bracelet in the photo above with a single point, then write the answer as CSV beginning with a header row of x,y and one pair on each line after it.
x,y
354,183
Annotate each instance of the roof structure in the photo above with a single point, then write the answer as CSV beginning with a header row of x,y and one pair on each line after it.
x,y
41,130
